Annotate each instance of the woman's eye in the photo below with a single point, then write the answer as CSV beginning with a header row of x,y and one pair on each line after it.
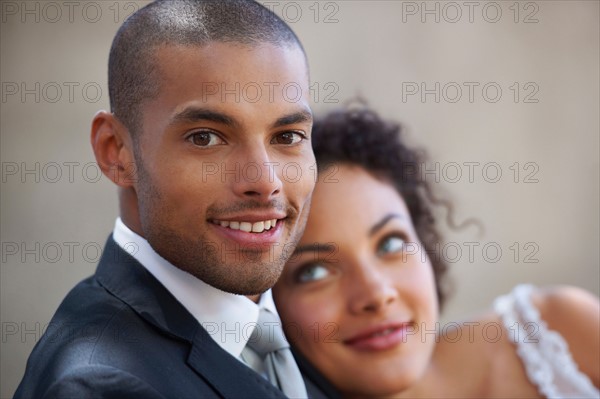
x,y
288,138
205,139
391,244
312,273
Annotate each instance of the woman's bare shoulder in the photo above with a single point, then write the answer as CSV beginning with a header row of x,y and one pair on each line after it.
x,y
575,314
486,345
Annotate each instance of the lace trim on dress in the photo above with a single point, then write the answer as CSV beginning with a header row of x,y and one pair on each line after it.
x,y
544,352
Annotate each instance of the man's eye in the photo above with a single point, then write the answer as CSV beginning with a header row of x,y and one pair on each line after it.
x,y
391,244
312,272
288,138
205,139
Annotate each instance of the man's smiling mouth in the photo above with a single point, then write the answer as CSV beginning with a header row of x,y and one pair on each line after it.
x,y
248,227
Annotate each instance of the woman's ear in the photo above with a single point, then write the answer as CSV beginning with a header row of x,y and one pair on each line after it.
x,y
113,149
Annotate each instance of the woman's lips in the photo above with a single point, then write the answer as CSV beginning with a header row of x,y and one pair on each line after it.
x,y
380,337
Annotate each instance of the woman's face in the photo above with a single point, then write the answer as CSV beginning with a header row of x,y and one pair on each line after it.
x,y
358,298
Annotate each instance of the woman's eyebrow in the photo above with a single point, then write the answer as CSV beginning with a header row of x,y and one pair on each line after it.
x,y
379,225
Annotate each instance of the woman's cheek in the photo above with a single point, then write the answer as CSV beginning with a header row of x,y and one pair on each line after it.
x,y
426,295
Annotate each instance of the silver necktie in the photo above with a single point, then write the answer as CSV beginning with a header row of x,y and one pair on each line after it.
x,y
268,341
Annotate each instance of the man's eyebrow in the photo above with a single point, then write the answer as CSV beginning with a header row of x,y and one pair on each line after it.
x,y
195,114
379,225
316,247
297,117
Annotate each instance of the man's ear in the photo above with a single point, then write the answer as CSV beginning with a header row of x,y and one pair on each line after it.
x,y
113,148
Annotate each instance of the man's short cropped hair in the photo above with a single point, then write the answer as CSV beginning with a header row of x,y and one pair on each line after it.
x,y
133,76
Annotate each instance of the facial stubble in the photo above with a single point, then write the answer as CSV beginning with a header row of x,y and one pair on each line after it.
x,y
230,268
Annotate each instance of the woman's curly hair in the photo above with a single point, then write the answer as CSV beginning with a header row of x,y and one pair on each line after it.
x,y
358,136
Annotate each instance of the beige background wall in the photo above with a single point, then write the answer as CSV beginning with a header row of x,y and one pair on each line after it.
x,y
53,74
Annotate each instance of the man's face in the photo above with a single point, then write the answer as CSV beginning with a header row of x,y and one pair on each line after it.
x,y
224,162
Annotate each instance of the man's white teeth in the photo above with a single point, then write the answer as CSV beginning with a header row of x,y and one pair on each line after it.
x,y
245,226
258,227
248,227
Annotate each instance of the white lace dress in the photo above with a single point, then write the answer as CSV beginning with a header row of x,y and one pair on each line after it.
x,y
544,352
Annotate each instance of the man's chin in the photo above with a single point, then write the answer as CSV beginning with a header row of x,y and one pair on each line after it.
x,y
245,278
248,289
227,267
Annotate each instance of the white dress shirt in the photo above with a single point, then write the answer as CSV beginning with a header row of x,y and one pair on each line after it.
x,y
228,318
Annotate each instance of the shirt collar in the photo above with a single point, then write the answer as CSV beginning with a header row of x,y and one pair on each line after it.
x,y
228,318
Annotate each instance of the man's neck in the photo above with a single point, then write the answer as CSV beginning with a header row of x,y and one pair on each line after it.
x,y
129,211
253,298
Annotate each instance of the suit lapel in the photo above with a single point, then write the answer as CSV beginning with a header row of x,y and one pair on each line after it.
x,y
227,374
125,278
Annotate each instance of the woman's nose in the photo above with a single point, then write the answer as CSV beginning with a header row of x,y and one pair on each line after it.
x,y
372,290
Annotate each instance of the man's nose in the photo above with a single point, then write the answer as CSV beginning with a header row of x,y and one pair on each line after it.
x,y
256,175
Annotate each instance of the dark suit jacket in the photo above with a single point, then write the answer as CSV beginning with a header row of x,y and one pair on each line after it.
x,y
120,333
